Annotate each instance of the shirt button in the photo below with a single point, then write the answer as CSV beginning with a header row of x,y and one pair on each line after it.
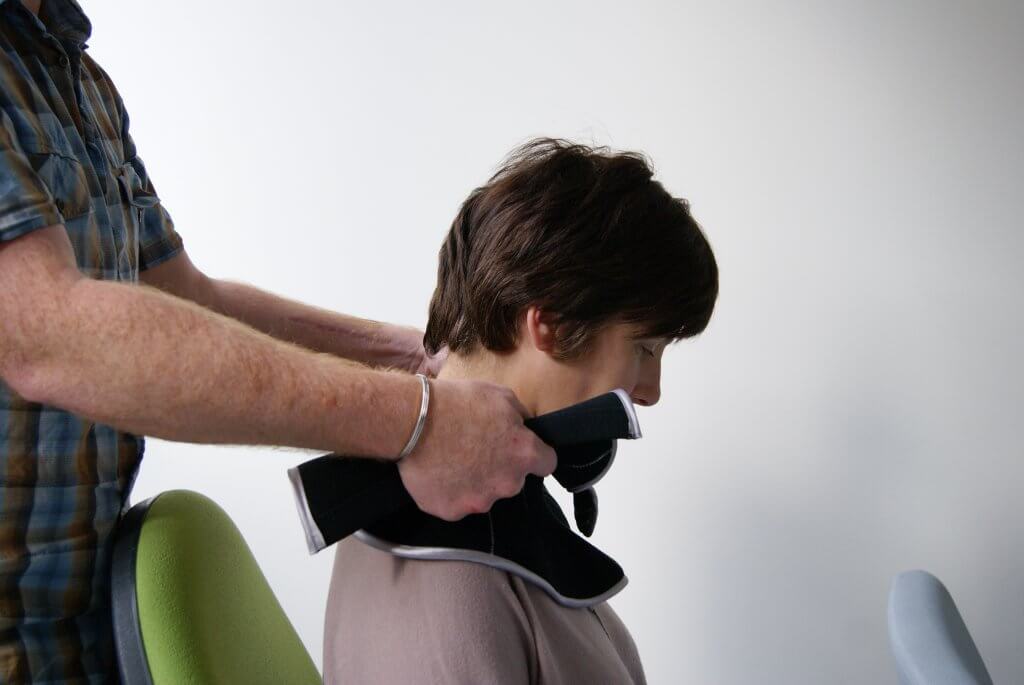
x,y
64,61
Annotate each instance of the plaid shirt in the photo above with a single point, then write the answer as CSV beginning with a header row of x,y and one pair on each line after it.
x,y
65,158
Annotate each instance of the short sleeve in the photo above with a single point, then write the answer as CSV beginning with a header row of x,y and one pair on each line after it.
x,y
158,239
25,202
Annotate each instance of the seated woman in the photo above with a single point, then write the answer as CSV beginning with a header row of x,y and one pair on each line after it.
x,y
563,278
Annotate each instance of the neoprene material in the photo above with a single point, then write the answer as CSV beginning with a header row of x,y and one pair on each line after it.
x,y
526,534
191,605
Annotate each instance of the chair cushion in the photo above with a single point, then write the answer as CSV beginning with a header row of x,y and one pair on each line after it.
x,y
206,611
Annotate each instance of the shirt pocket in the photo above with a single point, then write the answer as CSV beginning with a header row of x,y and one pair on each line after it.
x,y
64,176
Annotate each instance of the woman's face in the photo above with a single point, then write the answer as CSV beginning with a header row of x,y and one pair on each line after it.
x,y
615,360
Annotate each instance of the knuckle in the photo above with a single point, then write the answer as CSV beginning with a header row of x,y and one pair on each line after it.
x,y
512,489
470,505
517,482
531,453
547,457
527,443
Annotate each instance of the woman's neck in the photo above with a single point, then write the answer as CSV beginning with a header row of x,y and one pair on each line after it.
x,y
500,369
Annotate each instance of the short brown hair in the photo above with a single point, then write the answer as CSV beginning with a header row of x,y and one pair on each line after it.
x,y
585,234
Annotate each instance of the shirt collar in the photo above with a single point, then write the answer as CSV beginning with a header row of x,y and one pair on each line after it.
x,y
65,19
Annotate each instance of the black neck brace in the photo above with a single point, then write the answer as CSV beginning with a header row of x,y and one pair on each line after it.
x,y
527,534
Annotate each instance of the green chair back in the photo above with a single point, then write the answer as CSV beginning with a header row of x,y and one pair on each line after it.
x,y
190,604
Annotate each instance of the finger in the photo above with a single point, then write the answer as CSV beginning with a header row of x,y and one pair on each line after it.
x,y
517,405
544,459
515,487
480,504
504,489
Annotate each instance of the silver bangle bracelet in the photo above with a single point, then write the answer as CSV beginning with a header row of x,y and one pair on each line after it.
x,y
424,401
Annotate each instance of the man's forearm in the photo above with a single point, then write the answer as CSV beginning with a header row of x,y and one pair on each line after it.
x,y
374,343
149,363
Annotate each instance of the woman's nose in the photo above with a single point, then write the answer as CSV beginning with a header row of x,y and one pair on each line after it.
x,y
647,390
646,396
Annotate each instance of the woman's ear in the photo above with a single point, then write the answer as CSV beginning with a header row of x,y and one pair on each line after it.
x,y
540,329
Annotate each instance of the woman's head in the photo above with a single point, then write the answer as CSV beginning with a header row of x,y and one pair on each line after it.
x,y
577,255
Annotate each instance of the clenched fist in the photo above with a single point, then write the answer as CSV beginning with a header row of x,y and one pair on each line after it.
x,y
474,450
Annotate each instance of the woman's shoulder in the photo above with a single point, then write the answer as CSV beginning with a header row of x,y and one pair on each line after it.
x,y
464,586
426,620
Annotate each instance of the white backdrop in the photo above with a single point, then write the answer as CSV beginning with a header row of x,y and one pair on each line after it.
x,y
853,409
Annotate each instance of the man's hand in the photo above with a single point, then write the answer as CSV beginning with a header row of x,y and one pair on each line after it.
x,y
430,365
474,450
420,361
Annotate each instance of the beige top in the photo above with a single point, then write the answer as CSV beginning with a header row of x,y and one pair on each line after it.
x,y
396,620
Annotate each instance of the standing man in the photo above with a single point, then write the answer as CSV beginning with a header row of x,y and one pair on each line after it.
x,y
109,333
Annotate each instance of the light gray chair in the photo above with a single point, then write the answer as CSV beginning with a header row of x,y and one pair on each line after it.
x,y
928,637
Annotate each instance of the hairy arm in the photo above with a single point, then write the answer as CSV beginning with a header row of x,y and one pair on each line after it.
x,y
146,362
374,343
149,363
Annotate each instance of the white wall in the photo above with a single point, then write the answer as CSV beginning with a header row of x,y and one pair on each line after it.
x,y
853,409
